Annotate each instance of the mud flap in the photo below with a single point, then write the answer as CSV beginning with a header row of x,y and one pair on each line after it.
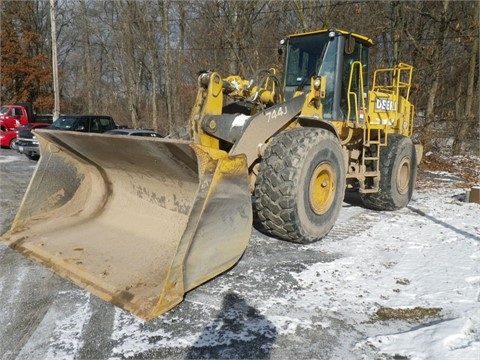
x,y
137,222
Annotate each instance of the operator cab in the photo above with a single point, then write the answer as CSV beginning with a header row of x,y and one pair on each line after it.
x,y
330,54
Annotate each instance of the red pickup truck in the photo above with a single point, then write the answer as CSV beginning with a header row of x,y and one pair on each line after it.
x,y
14,116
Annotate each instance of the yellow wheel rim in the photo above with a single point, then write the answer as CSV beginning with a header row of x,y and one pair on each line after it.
x,y
403,176
322,188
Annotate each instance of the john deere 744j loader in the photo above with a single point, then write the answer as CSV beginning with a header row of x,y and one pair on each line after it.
x,y
139,222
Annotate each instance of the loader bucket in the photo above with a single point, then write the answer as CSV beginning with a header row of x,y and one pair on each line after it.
x,y
136,221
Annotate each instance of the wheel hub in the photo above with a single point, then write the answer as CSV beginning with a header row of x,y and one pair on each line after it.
x,y
322,188
403,176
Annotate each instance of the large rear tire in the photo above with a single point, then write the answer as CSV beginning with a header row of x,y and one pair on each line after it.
x,y
300,185
398,173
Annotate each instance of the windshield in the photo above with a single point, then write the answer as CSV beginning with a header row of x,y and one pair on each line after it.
x,y
3,110
309,55
304,58
63,123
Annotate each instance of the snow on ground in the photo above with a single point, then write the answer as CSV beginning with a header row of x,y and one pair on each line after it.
x,y
429,262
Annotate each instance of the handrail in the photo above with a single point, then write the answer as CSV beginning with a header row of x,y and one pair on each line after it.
x,y
354,94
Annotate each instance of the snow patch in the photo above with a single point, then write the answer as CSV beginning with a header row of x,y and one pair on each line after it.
x,y
442,340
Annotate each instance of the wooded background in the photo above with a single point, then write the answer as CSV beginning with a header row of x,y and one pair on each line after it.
x,y
138,60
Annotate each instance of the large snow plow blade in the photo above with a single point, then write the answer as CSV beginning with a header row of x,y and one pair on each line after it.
x,y
136,221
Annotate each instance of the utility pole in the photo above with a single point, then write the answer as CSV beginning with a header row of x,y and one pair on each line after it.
x,y
56,106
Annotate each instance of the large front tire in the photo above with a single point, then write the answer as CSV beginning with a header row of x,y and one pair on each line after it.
x,y
300,185
398,173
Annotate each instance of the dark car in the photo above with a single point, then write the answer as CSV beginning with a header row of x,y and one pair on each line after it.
x,y
28,144
26,140
84,123
135,132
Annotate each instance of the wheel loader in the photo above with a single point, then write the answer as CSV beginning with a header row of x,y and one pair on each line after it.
x,y
139,222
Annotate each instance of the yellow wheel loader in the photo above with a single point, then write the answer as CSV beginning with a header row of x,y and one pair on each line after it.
x,y
139,222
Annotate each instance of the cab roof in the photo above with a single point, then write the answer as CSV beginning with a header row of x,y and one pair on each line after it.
x,y
363,39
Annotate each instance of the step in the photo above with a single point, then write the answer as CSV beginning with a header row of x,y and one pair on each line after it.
x,y
368,191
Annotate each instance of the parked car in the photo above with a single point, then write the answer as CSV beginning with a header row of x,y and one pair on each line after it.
x,y
28,144
14,116
8,139
135,132
84,123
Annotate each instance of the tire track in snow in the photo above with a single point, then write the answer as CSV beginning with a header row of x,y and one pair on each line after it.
x,y
353,220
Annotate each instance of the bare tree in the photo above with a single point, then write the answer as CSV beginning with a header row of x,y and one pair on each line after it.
x,y
466,116
138,60
87,57
152,51
128,57
167,61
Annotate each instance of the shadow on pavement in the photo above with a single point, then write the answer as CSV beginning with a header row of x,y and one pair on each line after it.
x,y
238,332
